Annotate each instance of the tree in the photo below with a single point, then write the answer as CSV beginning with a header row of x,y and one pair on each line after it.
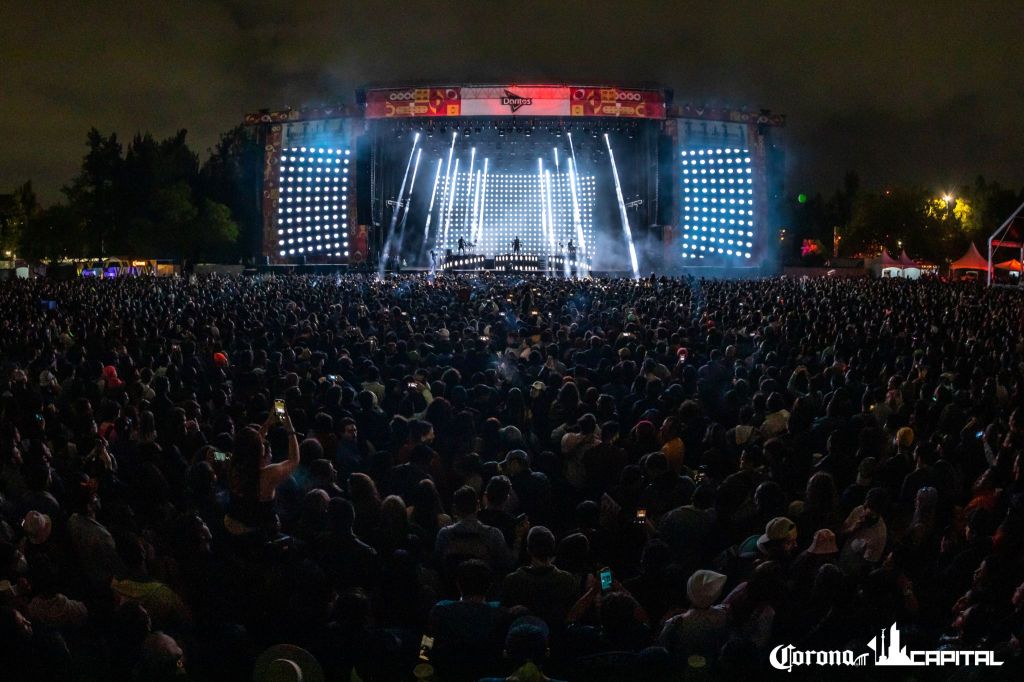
x,y
96,193
233,176
54,233
192,229
16,210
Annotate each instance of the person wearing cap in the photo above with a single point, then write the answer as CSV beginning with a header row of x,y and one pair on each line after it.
x,y
531,489
823,550
526,650
865,534
778,540
854,493
546,590
38,528
704,627
892,469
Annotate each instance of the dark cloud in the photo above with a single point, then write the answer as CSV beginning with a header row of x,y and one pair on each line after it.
x,y
902,92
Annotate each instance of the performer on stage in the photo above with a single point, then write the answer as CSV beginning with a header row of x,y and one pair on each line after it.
x,y
516,245
433,259
462,246
572,250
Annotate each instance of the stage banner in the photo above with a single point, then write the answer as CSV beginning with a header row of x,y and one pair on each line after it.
x,y
617,102
410,102
271,188
514,100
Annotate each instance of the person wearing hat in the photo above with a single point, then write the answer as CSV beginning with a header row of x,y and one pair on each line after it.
x,y
855,492
48,382
702,628
287,663
866,534
531,489
779,539
893,468
526,650
110,382
37,528
823,550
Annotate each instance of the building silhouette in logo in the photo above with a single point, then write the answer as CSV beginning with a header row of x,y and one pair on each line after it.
x,y
893,654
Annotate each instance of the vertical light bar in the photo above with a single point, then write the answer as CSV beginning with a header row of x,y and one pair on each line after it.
x,y
433,195
476,209
551,212
398,206
412,184
622,211
451,202
469,191
483,200
543,211
577,220
447,183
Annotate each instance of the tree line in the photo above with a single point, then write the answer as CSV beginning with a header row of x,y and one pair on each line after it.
x,y
932,226
147,199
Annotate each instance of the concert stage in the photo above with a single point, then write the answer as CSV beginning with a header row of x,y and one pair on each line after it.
x,y
637,183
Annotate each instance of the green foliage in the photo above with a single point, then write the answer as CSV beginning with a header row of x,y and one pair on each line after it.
x,y
935,227
146,201
56,232
16,210
233,176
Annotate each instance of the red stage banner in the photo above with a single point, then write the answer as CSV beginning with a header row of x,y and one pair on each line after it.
x,y
514,100
410,102
617,102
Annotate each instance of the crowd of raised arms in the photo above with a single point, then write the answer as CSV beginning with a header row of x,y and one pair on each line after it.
x,y
582,480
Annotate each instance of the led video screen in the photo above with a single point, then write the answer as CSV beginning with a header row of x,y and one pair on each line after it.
x,y
312,216
717,207
542,210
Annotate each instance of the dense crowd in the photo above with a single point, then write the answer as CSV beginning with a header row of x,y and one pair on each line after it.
x,y
340,478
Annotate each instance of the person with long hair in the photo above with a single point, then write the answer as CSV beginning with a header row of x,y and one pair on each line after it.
x,y
253,478
366,502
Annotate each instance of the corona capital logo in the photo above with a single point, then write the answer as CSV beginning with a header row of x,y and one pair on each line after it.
x,y
885,651
514,101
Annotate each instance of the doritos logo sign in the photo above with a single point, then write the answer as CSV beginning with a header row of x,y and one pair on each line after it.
x,y
514,101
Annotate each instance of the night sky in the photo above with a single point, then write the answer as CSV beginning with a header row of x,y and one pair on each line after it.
x,y
930,96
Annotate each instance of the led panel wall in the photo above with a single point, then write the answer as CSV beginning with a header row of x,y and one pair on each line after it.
x,y
493,211
717,214
313,213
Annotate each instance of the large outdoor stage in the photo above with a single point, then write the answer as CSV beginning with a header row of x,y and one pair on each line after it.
x,y
552,178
